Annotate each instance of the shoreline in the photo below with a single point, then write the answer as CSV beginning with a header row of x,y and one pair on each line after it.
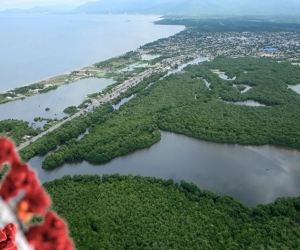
x,y
66,74
35,82
53,76
50,77
17,93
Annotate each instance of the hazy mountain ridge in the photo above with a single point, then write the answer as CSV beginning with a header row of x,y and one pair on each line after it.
x,y
178,7
121,6
62,8
193,7
36,9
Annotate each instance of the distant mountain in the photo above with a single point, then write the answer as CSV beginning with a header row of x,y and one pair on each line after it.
x,y
260,7
194,7
130,6
198,7
238,7
31,10
177,7
59,8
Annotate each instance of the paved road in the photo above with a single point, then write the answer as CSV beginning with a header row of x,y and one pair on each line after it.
x,y
25,144
106,98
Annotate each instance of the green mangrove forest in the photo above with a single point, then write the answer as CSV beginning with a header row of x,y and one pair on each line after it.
x,y
16,129
134,212
182,103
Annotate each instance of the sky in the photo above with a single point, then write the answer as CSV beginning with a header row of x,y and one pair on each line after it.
x,y
9,4
24,4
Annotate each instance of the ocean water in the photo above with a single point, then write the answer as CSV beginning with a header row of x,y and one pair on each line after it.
x,y
38,46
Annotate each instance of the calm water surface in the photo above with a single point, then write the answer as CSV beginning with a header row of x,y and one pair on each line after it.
x,y
39,46
123,101
251,174
57,100
181,67
247,88
250,103
223,76
296,88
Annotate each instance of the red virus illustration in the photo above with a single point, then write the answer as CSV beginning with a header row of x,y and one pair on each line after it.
x,y
21,183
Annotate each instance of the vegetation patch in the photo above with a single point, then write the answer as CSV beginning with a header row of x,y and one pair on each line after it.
x,y
68,131
17,130
182,103
71,110
134,212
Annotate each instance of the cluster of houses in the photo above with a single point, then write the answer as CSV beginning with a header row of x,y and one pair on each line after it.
x,y
232,44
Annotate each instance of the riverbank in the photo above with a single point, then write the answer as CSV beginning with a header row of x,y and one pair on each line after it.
x,y
239,171
171,105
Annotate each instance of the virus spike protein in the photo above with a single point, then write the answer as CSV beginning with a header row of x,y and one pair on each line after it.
x,y
53,234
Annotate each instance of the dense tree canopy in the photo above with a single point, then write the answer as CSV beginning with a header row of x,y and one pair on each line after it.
x,y
16,130
182,103
71,110
68,131
134,212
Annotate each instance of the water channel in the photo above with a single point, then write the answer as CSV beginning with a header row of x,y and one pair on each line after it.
x,y
250,103
181,67
123,101
252,174
223,76
247,88
296,88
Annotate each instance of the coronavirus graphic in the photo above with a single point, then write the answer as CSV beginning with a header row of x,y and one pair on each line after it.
x,y
21,197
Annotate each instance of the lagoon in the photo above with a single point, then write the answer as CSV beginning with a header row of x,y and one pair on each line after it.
x,y
57,100
252,174
296,88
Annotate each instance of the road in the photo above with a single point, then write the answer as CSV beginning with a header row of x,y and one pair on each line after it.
x,y
33,139
116,91
105,98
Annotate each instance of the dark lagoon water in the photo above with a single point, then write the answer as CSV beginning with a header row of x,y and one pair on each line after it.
x,y
37,46
40,46
57,100
251,174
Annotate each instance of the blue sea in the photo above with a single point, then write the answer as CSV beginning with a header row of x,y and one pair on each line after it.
x,y
38,46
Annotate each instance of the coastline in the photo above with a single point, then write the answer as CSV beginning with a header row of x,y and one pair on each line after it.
x,y
34,82
92,70
44,82
9,94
